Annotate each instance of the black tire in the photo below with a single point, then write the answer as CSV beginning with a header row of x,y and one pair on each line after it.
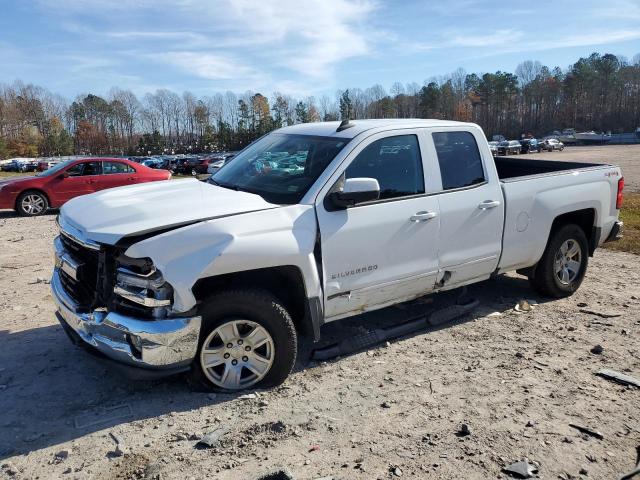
x,y
25,211
544,278
258,306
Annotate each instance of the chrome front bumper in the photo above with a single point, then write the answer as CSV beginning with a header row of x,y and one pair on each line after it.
x,y
155,344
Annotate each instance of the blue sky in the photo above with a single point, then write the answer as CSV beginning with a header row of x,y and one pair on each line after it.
x,y
297,47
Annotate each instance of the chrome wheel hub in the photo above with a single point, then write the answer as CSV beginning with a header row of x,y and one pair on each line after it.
x,y
237,354
568,261
33,204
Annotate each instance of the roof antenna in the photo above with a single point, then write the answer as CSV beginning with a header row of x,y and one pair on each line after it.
x,y
344,125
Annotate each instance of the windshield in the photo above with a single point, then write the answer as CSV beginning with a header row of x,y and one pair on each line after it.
x,y
55,169
279,167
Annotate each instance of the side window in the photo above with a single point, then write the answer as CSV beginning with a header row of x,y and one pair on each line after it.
x,y
459,159
84,169
395,162
116,167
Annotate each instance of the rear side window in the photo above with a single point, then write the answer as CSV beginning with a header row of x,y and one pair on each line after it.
x,y
459,159
395,162
117,167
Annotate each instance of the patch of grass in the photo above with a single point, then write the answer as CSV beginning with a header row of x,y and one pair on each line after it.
x,y
630,215
14,174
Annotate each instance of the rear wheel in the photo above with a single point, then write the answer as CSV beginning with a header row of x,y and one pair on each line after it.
x,y
563,265
31,204
247,340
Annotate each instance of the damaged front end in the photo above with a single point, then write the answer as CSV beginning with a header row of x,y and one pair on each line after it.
x,y
120,306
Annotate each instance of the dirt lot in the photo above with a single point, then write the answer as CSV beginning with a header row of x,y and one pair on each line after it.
x,y
516,379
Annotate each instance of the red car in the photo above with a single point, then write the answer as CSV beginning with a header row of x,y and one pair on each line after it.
x,y
31,196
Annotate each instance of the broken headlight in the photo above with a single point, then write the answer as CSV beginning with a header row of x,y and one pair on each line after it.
x,y
140,283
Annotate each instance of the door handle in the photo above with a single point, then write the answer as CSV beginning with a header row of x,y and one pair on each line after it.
x,y
487,204
91,181
423,216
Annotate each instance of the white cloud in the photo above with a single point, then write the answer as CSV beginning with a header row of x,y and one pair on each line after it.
x,y
204,65
499,37
309,38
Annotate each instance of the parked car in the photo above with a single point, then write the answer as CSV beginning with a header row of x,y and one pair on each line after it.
x,y
34,195
46,163
493,146
509,147
219,161
28,165
221,278
189,166
11,166
529,145
551,144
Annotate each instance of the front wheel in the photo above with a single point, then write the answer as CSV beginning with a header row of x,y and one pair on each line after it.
x,y
248,340
563,265
31,204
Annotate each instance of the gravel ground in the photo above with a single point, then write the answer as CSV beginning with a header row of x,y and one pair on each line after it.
x,y
625,156
516,380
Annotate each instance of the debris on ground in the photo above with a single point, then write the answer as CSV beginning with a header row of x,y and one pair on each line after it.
x,y
523,306
600,314
522,469
280,474
597,349
395,470
248,396
120,449
464,431
619,377
588,431
211,439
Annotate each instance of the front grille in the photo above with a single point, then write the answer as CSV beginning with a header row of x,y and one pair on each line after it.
x,y
83,290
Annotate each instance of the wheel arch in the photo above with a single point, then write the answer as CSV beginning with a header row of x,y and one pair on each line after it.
x,y
36,190
585,219
284,282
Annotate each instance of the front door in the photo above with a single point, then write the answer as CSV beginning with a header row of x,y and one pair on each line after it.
x,y
384,251
79,179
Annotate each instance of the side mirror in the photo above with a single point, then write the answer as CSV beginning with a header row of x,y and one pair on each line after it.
x,y
63,175
354,191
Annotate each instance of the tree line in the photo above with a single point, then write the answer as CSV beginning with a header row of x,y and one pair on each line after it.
x,y
599,92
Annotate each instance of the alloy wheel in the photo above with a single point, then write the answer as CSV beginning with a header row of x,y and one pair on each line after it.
x,y
568,261
33,204
237,354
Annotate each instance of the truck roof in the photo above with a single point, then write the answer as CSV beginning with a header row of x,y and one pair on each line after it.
x,y
328,129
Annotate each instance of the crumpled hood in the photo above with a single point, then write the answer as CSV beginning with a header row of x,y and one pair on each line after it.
x,y
110,215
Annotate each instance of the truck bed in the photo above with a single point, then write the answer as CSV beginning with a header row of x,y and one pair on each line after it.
x,y
510,168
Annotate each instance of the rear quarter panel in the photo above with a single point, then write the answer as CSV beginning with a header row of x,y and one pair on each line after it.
x,y
532,204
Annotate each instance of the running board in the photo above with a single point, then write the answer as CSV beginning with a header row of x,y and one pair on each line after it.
x,y
374,337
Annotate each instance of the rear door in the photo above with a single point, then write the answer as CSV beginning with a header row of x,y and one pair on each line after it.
x,y
471,207
384,251
117,174
80,179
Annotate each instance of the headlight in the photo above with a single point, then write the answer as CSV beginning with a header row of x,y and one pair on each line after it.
x,y
138,281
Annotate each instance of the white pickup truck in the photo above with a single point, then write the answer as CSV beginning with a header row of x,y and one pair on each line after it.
x,y
310,224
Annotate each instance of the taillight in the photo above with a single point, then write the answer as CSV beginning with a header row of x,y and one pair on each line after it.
x,y
620,196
